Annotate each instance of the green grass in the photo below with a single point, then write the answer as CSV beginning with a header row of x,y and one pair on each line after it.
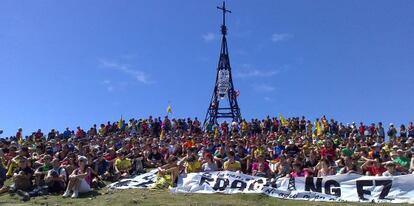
x,y
147,197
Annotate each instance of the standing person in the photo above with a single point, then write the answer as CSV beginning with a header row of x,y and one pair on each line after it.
x,y
380,131
410,129
392,132
403,131
80,179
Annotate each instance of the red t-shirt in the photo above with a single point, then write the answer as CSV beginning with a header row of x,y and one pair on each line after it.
x,y
327,152
375,170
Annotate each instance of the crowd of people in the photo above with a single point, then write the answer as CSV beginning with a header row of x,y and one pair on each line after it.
x,y
74,162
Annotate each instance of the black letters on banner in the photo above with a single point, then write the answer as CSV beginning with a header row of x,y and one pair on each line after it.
x,y
205,179
220,181
251,186
387,187
238,184
336,191
310,186
360,184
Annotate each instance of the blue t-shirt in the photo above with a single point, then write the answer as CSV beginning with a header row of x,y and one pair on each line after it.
x,y
277,150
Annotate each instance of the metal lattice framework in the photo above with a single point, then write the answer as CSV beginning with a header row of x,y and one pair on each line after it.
x,y
224,88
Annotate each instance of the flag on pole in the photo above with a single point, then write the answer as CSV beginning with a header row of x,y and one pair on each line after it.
x,y
237,93
120,123
169,109
318,129
283,121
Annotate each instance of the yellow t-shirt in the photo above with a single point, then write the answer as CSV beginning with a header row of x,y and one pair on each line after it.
x,y
235,166
124,164
192,166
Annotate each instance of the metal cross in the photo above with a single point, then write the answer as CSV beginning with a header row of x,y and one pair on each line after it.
x,y
224,12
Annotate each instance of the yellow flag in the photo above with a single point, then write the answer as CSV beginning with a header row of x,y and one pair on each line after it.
x,y
162,135
216,132
120,123
169,110
283,121
318,129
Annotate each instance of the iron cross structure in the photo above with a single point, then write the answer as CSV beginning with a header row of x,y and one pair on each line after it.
x,y
223,89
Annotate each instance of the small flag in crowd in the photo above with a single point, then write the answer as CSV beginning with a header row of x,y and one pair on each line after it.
x,y
283,121
120,123
169,109
318,128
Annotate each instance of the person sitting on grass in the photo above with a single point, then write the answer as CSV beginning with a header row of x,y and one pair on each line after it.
x,y
154,158
191,162
3,169
56,177
231,164
373,167
122,166
261,167
167,174
101,166
298,171
391,169
22,177
209,165
80,179
42,171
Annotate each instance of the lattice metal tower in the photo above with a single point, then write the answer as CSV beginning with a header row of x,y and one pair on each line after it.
x,y
223,88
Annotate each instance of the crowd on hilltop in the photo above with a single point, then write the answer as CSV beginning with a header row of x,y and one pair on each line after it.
x,y
74,162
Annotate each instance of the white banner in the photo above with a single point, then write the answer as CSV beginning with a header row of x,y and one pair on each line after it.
x,y
138,182
351,187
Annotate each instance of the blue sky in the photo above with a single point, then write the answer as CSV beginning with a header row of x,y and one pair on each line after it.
x,y
69,63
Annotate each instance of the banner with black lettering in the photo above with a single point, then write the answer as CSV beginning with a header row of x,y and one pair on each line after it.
x,y
338,188
142,181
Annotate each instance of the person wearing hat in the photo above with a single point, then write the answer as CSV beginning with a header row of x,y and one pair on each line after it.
x,y
80,180
375,151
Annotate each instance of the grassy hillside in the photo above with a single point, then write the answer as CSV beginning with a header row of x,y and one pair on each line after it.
x,y
146,197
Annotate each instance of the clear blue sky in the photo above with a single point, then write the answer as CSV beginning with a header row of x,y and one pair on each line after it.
x,y
69,63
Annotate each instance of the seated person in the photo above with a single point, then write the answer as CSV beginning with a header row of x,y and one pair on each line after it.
x,y
56,177
22,176
154,158
391,169
137,159
122,166
168,173
373,167
80,180
261,162
231,164
192,164
101,166
3,169
298,171
209,165
42,171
